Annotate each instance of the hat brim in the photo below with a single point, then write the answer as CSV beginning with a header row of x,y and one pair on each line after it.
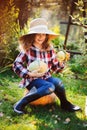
x,y
51,34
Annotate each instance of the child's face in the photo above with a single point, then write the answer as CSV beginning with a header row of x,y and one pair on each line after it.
x,y
40,38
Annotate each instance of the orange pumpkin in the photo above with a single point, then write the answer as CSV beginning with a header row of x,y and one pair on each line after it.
x,y
48,99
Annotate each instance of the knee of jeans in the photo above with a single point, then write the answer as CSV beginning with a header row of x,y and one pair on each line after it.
x,y
60,84
47,89
51,88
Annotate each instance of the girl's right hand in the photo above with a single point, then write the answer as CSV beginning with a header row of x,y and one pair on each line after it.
x,y
35,74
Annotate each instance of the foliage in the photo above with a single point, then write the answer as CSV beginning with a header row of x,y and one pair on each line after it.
x,y
79,66
80,62
8,35
72,45
79,17
58,42
27,8
56,29
78,45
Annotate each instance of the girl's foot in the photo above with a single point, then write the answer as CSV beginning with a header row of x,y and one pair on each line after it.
x,y
70,107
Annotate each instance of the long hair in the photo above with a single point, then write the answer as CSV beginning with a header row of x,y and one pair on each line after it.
x,y
26,41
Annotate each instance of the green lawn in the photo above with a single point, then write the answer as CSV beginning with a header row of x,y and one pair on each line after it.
x,y
49,117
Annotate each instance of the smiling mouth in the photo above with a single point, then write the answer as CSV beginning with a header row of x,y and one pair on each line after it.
x,y
40,40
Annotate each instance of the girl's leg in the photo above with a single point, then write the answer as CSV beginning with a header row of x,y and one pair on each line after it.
x,y
60,92
43,88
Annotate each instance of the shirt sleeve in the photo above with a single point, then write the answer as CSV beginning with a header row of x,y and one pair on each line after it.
x,y
56,65
18,65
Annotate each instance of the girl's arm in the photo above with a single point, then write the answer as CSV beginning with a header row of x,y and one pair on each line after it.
x,y
18,65
22,71
56,65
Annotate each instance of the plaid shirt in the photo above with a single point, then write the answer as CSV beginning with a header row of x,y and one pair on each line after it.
x,y
25,58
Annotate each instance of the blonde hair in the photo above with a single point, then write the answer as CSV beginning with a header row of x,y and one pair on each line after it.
x,y
26,41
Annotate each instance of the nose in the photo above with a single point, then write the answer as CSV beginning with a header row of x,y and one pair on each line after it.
x,y
41,35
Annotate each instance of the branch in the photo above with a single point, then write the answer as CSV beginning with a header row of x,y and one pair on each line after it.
x,y
85,26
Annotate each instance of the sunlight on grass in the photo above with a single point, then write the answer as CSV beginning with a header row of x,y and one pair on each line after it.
x,y
20,127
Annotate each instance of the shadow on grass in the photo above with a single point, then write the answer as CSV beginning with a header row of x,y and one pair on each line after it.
x,y
53,118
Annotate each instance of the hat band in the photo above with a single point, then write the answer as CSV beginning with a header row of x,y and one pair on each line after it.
x,y
39,27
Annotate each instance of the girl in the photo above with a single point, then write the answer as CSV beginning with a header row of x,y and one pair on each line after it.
x,y
36,46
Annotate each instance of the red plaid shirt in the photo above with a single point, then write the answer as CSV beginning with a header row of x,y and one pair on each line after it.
x,y
25,58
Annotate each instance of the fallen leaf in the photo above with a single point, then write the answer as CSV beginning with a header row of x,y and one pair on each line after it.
x,y
12,76
0,103
55,122
50,110
53,115
58,118
1,114
85,124
67,120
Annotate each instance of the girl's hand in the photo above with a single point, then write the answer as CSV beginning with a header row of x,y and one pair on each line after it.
x,y
35,74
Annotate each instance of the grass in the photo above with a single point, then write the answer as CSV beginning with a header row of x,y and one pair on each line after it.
x,y
49,117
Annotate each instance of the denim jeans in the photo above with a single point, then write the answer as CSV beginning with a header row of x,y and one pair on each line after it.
x,y
45,87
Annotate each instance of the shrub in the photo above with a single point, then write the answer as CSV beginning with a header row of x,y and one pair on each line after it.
x,y
58,42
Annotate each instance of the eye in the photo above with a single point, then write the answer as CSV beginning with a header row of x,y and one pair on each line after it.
x,y
44,34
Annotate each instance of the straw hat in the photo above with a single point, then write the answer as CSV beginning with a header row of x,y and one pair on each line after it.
x,y
39,25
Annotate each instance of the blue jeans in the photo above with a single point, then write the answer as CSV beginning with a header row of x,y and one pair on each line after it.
x,y
45,87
